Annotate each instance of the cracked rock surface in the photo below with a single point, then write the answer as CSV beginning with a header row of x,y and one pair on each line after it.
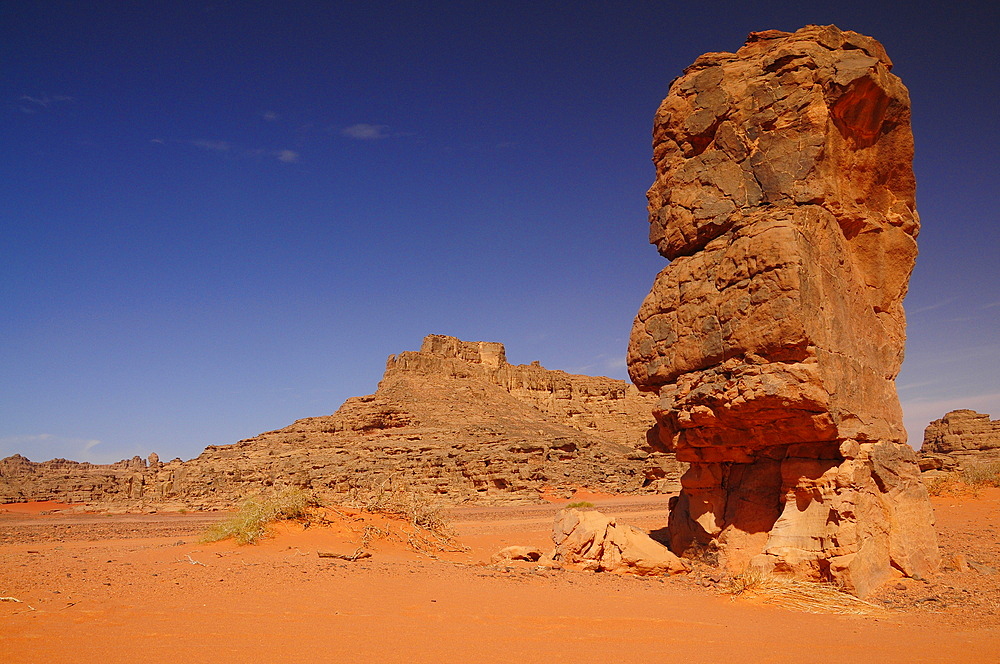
x,y
784,201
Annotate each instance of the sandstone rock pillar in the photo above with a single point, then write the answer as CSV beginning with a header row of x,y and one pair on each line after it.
x,y
784,201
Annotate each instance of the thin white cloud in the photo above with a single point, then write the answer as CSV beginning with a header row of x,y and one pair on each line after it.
x,y
365,132
931,307
991,305
211,145
270,116
285,156
31,104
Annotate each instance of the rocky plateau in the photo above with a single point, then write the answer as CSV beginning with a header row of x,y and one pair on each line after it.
x,y
454,421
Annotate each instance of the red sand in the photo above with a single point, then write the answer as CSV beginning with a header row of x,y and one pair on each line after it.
x,y
35,507
99,588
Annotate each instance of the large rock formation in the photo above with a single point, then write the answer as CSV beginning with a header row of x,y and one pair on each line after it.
x,y
960,439
784,199
455,421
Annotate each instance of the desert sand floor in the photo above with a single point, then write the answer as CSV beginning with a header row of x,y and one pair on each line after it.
x,y
97,588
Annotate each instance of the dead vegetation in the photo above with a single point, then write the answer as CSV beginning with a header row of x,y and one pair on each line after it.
x,y
969,481
797,595
428,533
373,512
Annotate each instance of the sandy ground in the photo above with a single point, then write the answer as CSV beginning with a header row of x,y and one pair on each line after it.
x,y
96,588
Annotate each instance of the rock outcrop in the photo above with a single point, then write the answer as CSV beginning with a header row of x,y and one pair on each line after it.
x,y
454,421
597,542
784,200
960,439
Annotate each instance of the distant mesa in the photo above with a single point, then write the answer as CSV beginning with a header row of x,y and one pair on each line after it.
x,y
960,439
784,201
454,421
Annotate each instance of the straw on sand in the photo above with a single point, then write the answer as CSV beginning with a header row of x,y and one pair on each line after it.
x,y
798,595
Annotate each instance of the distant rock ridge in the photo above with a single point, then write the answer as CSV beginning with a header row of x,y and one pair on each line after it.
x,y
959,439
454,420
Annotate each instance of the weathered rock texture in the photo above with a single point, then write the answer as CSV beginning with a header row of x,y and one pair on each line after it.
x,y
784,199
597,542
454,420
960,439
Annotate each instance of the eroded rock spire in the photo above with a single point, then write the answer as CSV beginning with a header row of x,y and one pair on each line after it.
x,y
784,199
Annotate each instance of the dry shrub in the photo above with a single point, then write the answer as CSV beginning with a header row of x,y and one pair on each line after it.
x,y
398,499
798,595
950,484
968,481
982,474
255,515
580,504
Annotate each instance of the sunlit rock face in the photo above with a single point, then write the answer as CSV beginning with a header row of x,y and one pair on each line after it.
x,y
784,201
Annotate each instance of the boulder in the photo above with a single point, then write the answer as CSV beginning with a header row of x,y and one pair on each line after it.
x,y
784,201
528,553
597,542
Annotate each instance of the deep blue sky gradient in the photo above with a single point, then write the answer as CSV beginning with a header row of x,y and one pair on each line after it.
x,y
219,217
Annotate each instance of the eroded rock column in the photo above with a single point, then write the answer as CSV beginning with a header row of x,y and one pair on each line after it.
x,y
784,201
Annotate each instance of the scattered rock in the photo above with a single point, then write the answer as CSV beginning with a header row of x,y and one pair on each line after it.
x,y
784,200
982,569
529,553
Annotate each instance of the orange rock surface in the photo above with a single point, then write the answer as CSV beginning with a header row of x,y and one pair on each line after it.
x,y
784,199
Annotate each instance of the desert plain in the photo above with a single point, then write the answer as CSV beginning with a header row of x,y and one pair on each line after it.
x,y
87,587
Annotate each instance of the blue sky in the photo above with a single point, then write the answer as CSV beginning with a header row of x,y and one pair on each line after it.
x,y
220,217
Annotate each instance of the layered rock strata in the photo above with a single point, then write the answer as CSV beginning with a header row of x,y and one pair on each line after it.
x,y
960,439
784,201
454,421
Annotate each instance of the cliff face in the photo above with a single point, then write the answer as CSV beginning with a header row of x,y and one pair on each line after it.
x,y
454,420
784,199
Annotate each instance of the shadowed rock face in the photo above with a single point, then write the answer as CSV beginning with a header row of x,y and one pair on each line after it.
x,y
784,199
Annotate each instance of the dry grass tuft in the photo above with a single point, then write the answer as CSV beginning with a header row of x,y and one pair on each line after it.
x,y
250,524
798,595
967,482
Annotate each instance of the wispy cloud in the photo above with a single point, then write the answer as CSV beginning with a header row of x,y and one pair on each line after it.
x,y
285,156
211,145
270,116
991,305
365,132
931,307
31,104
